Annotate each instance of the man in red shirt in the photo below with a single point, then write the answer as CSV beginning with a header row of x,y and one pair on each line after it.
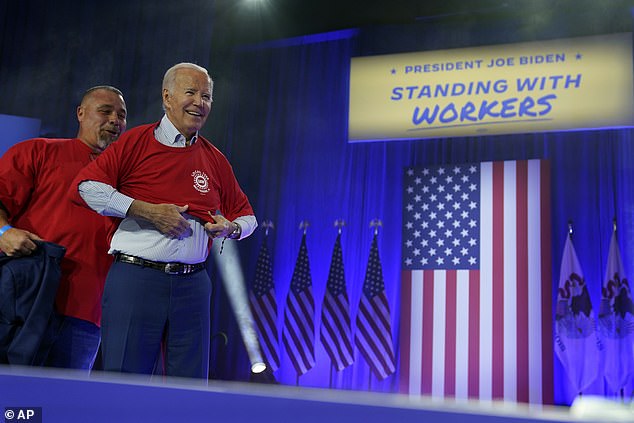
x,y
34,178
168,191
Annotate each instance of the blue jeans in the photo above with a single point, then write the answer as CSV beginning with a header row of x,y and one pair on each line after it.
x,y
72,343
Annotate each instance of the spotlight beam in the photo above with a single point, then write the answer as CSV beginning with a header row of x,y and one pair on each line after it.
x,y
233,280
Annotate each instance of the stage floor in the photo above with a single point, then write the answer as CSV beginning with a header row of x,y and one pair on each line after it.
x,y
66,396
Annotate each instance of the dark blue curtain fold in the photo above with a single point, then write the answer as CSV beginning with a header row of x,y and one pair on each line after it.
x,y
52,51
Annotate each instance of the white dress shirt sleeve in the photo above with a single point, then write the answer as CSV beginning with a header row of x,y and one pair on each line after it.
x,y
104,199
247,224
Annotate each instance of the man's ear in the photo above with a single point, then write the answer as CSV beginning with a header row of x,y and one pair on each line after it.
x,y
166,96
80,113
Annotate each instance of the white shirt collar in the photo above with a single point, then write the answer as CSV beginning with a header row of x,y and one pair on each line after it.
x,y
167,134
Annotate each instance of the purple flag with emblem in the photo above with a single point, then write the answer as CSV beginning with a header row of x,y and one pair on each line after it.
x,y
576,342
616,321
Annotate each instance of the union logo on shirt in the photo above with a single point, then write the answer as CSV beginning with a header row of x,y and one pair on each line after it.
x,y
201,181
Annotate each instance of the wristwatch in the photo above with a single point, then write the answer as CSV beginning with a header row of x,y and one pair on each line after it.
x,y
235,234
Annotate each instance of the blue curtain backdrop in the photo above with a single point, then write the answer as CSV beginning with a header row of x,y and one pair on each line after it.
x,y
294,125
52,51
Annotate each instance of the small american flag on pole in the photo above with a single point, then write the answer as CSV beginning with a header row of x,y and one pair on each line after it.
x,y
299,325
264,307
374,333
335,315
476,282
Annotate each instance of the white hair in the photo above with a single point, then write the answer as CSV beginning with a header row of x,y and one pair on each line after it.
x,y
170,75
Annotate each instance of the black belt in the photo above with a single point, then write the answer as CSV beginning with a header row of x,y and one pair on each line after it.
x,y
169,268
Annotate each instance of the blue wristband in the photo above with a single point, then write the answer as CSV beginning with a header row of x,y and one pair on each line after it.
x,y
4,229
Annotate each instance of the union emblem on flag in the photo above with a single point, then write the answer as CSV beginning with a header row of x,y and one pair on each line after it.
x,y
576,342
616,321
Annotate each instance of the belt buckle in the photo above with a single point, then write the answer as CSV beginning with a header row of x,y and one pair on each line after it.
x,y
172,268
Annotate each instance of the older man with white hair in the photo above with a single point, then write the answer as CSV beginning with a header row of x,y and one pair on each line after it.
x,y
169,191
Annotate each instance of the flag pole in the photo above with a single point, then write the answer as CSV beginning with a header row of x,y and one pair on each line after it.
x,y
332,368
570,235
339,224
374,223
304,224
267,225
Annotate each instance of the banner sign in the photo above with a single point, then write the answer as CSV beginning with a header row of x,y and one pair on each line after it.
x,y
555,85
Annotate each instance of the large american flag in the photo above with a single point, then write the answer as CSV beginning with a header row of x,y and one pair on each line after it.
x,y
476,282
299,326
264,307
374,330
335,313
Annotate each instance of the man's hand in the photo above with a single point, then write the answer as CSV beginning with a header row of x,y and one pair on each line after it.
x,y
17,242
167,218
221,228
